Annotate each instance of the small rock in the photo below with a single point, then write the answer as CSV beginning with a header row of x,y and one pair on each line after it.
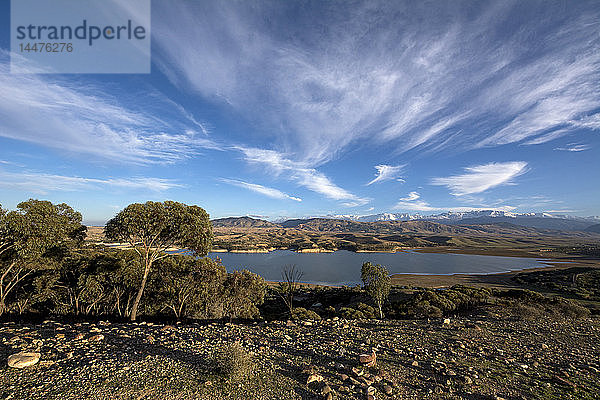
x,y
415,363
96,338
446,321
23,359
314,378
370,360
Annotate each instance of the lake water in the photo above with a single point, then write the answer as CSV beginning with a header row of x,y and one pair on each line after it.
x,y
343,267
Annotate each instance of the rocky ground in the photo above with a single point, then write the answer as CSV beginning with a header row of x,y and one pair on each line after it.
x,y
475,358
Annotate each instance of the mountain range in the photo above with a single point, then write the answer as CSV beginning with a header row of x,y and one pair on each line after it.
x,y
479,217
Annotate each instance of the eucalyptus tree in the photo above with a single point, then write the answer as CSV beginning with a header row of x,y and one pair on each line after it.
x,y
153,227
36,230
377,283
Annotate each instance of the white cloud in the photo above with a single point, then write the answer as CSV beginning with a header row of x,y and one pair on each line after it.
x,y
574,147
300,173
480,178
69,115
267,191
423,206
43,183
411,196
386,172
415,80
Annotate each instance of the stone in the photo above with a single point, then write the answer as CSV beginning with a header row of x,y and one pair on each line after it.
x,y
23,359
415,363
96,338
314,378
370,360
446,321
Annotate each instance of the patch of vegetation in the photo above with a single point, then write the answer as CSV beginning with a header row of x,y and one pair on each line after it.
x,y
529,305
234,362
301,313
578,282
431,303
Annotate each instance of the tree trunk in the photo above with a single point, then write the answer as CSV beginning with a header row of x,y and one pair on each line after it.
x,y
380,310
138,297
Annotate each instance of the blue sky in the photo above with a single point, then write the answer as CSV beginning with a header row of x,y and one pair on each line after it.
x,y
311,108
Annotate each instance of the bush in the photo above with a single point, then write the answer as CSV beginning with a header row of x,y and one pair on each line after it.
x,y
368,311
570,309
530,305
234,361
351,313
303,314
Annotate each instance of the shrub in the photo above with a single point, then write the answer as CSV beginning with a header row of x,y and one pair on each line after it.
x,y
425,310
242,293
303,314
351,313
234,362
368,311
377,283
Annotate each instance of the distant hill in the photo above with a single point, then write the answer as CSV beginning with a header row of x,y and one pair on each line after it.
x,y
415,227
593,228
242,222
532,220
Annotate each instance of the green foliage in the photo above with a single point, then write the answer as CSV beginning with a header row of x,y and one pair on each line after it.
x,y
242,293
234,361
351,313
430,303
153,227
32,238
377,283
301,313
367,310
530,305
580,282
191,287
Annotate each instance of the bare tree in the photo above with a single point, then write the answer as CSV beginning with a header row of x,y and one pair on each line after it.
x,y
290,281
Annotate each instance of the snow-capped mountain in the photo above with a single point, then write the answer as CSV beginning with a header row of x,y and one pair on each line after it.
x,y
541,220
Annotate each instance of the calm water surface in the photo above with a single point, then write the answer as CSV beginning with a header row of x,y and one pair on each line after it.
x,y
343,267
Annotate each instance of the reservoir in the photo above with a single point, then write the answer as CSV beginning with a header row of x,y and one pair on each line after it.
x,y
343,267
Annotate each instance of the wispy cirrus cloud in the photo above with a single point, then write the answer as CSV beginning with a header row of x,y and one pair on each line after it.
x,y
413,203
574,147
480,178
386,173
299,172
264,190
43,183
412,196
72,116
422,75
